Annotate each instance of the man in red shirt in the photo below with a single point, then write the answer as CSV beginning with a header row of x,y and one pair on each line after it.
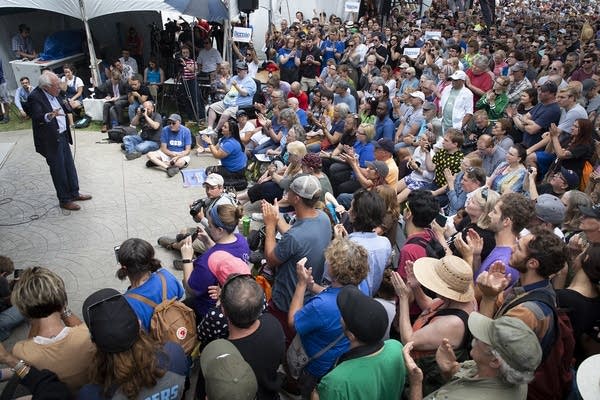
x,y
296,91
479,78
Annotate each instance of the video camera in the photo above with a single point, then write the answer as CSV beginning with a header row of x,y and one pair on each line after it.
x,y
198,205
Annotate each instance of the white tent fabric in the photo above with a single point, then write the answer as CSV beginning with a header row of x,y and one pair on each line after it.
x,y
98,8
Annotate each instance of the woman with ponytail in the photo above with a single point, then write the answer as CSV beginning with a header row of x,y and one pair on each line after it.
x,y
223,221
138,265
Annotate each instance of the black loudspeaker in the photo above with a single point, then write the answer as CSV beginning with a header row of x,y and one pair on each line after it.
x,y
247,5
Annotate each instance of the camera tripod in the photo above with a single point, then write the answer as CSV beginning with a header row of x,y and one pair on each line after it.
x,y
180,101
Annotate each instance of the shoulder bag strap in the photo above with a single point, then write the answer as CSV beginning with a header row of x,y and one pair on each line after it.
x,y
142,299
326,348
163,281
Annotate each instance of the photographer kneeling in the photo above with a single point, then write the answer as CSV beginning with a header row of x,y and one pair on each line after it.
x,y
215,196
150,123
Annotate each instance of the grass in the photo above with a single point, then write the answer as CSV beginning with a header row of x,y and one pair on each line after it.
x,y
16,123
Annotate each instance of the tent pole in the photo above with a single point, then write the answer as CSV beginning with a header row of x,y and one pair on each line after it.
x,y
90,43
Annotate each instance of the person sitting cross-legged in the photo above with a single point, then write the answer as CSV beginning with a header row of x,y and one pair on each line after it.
x,y
175,147
148,140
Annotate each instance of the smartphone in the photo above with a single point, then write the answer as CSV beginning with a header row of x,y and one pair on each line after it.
x,y
441,220
116,249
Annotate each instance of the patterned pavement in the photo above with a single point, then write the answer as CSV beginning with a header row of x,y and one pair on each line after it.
x,y
129,200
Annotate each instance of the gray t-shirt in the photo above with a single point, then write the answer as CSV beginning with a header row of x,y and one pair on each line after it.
x,y
147,132
568,118
307,237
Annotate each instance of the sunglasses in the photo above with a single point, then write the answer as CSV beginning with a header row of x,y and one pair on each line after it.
x,y
173,122
484,193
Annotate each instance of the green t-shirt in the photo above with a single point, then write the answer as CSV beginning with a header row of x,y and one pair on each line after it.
x,y
378,376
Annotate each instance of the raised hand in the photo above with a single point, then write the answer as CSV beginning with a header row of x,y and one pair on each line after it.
x,y
415,375
493,281
445,357
270,213
304,274
187,252
400,287
411,280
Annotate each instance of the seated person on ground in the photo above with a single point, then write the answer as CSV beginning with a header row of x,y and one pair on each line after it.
x,y
150,123
175,145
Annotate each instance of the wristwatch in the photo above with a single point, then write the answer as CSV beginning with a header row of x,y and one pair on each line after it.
x,y
186,261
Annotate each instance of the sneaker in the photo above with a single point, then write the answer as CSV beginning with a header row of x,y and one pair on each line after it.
x,y
172,171
208,131
150,164
166,242
133,156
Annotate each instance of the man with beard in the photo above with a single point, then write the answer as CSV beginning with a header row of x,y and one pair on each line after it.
x,y
510,215
536,256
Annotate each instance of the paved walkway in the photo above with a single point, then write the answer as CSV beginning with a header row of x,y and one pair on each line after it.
x,y
129,200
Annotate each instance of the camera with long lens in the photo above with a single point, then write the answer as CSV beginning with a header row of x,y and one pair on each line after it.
x,y
198,205
141,109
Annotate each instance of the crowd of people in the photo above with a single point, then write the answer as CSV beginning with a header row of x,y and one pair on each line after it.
x,y
431,217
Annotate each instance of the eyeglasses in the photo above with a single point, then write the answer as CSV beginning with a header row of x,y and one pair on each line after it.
x,y
588,61
173,123
379,90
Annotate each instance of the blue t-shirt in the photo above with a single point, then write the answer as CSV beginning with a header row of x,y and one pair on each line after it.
x,y
236,158
307,237
290,63
384,129
302,117
379,251
318,324
543,115
176,141
365,151
201,277
249,86
329,48
152,290
169,386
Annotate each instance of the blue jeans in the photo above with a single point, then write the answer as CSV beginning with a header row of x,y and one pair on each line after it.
x,y
135,143
9,320
62,170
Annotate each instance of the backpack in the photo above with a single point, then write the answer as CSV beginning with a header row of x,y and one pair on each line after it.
x,y
554,376
171,320
433,247
117,133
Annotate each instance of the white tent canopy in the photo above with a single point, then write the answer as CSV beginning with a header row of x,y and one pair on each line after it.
x,y
98,8
108,11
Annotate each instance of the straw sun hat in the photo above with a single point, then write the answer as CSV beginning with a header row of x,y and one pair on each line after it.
x,y
450,277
